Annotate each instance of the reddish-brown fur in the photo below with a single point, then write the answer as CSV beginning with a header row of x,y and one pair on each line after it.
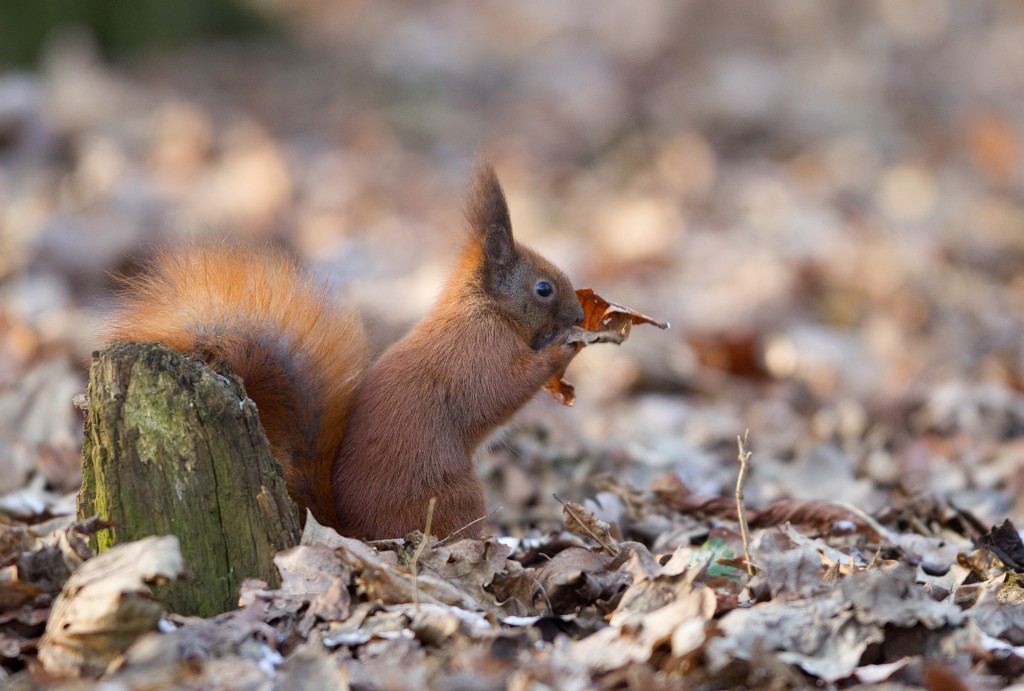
x,y
300,353
426,405
388,439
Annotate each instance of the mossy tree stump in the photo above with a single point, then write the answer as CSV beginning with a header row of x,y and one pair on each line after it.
x,y
171,447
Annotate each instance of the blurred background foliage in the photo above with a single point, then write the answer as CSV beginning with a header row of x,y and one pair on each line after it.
x,y
121,27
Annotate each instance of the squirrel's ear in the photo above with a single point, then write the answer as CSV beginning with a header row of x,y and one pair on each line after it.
x,y
499,248
486,208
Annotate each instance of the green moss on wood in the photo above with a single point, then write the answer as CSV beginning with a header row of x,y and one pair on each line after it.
x,y
172,447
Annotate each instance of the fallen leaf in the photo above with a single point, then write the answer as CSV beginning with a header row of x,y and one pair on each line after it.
x,y
939,677
225,633
890,597
818,514
794,572
673,609
1011,592
106,604
315,533
674,492
308,570
379,576
1004,541
331,605
820,635
583,522
821,515
473,566
15,593
310,667
876,674
576,577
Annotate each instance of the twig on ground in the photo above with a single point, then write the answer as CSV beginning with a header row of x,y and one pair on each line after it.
x,y
870,522
419,550
543,592
473,522
744,458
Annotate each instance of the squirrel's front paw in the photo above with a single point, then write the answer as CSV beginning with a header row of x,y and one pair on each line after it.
x,y
561,353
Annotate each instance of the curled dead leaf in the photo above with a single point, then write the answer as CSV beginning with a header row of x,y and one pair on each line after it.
x,y
561,390
603,322
601,314
823,516
583,522
107,604
1004,541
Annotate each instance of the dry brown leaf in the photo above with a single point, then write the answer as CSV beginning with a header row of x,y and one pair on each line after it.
x,y
820,515
668,609
819,634
107,604
334,604
939,677
583,522
1011,592
561,390
314,533
603,315
471,566
310,667
876,674
891,597
15,593
789,572
308,570
674,492
434,625
575,577
313,574
379,576
226,633
603,322
1004,542
647,595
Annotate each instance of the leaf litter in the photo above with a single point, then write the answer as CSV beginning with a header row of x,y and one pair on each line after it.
x,y
583,607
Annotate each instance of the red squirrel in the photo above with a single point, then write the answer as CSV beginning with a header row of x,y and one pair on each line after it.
x,y
366,446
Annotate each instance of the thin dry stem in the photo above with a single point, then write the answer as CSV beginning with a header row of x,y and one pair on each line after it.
x,y
473,522
419,550
543,592
870,522
741,510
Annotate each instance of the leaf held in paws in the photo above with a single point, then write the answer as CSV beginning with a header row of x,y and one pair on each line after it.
x,y
603,322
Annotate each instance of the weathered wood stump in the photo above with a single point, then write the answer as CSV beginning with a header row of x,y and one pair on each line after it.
x,y
171,447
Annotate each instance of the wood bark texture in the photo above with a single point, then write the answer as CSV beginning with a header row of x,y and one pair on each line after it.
x,y
172,447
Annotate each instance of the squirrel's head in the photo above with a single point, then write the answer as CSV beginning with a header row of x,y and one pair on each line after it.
x,y
533,292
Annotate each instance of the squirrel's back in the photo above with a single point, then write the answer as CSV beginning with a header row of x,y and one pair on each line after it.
x,y
299,352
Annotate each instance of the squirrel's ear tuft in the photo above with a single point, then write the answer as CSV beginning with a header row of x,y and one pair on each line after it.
x,y
485,205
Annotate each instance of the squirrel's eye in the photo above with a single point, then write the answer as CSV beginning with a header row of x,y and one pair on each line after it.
x,y
544,289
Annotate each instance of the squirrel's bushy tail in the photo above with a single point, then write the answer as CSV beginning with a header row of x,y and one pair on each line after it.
x,y
299,352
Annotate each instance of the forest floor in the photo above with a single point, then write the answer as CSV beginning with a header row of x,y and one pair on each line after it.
x,y
826,202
